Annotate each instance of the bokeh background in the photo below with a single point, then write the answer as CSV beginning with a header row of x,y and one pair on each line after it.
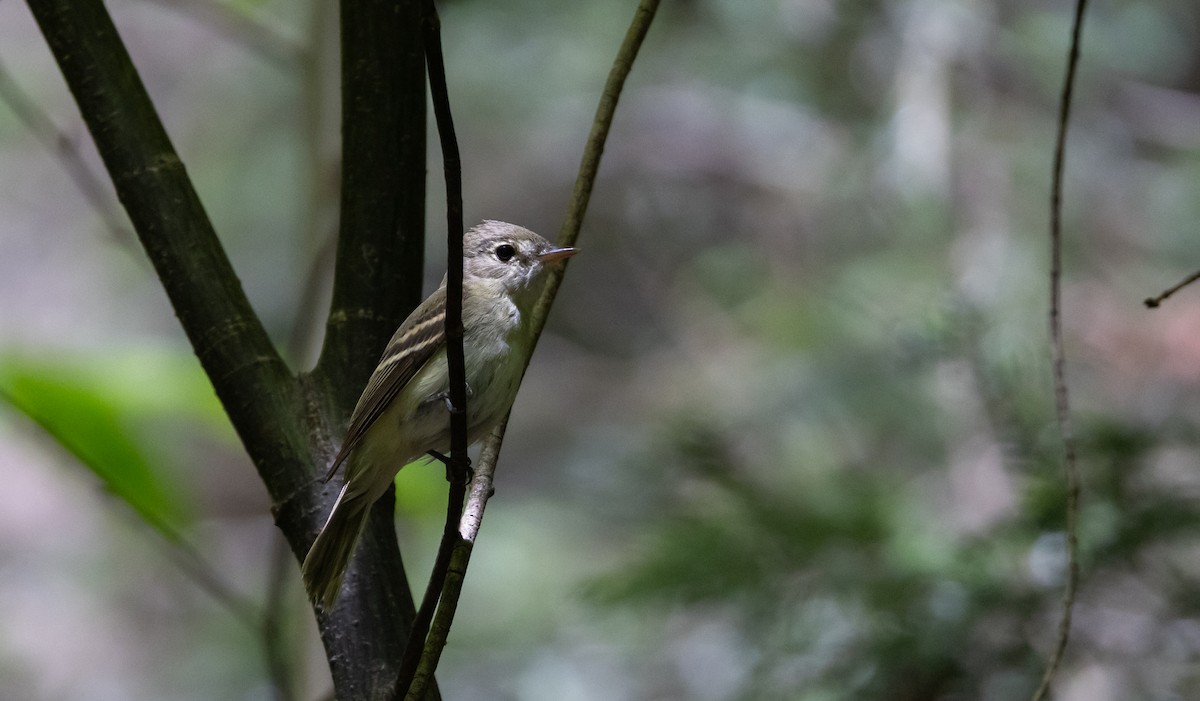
x,y
790,434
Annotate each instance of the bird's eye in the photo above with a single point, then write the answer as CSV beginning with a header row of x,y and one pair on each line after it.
x,y
505,252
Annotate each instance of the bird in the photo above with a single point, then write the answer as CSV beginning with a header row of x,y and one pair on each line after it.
x,y
402,414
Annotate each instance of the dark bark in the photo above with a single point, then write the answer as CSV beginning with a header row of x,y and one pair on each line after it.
x,y
248,374
289,425
458,465
382,242
366,632
377,282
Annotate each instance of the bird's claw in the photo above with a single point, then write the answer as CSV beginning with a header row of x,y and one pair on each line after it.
x,y
450,465
445,397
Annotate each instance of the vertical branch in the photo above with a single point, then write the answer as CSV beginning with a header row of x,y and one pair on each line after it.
x,y
409,685
377,280
381,244
1058,355
452,164
458,553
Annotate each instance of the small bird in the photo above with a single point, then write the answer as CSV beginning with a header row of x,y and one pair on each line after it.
x,y
403,412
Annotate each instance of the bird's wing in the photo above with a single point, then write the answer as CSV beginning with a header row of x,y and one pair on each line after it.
x,y
413,344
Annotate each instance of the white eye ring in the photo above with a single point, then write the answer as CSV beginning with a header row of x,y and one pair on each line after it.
x,y
505,252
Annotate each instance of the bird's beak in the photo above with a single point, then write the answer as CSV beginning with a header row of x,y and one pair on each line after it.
x,y
557,254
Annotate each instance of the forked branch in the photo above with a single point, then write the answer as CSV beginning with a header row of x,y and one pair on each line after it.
x,y
568,234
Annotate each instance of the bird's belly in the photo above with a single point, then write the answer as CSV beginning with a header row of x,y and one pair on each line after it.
x,y
493,376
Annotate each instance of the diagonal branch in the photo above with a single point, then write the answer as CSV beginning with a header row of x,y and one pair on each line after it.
x,y
62,146
286,423
153,186
235,23
1153,302
589,165
568,234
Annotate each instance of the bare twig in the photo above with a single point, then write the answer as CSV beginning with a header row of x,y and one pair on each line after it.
x,y
239,27
97,193
452,164
589,165
176,547
481,487
409,685
274,649
203,575
1062,403
1153,302
460,556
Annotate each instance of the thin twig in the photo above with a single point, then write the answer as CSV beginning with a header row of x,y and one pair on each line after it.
x,y
460,556
452,165
481,486
589,165
1062,403
176,547
97,193
409,685
204,575
274,649
239,27
1153,302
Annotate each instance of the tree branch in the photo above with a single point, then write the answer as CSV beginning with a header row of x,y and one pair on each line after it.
x,y
1153,302
1058,355
63,147
249,376
285,425
380,253
481,487
456,469
377,281
456,567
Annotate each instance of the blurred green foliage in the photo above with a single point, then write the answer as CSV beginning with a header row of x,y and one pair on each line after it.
x,y
102,408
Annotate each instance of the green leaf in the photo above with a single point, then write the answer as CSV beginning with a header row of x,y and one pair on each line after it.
x,y
92,407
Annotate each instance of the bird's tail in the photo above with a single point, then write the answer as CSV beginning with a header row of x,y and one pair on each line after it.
x,y
326,561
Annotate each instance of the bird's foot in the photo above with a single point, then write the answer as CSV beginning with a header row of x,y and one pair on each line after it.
x,y
466,474
445,397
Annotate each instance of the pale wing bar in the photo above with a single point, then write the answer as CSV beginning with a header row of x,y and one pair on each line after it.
x,y
421,335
